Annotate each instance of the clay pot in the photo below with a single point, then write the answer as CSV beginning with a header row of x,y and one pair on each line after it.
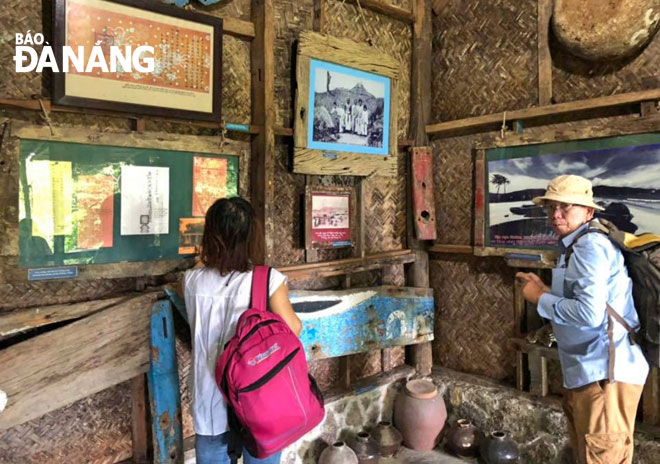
x,y
499,448
420,414
365,448
388,438
463,438
338,453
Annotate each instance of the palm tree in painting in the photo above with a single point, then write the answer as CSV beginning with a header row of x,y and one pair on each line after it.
x,y
499,181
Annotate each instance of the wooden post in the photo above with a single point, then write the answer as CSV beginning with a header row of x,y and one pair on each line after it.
x,y
518,315
319,16
544,58
263,114
139,418
419,356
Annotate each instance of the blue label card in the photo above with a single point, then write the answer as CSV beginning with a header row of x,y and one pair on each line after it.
x,y
50,273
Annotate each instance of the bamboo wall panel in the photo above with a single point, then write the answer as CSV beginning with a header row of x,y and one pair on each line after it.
x,y
474,315
453,172
484,58
95,430
387,35
577,79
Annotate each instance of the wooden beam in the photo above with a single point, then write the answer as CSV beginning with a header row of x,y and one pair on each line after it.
x,y
388,10
347,266
369,383
446,248
52,370
320,19
544,58
263,114
139,419
19,320
419,356
238,28
494,121
35,106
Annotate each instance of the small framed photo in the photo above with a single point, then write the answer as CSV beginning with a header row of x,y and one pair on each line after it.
x,y
330,217
103,47
346,108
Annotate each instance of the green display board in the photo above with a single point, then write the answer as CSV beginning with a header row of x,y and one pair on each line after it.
x,y
71,197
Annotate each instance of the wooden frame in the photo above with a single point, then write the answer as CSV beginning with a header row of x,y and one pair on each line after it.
x,y
166,95
350,62
534,257
333,235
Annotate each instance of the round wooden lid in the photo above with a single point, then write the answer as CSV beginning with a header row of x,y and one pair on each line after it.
x,y
421,388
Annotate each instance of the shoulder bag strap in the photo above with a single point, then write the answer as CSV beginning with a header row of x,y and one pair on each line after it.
x,y
259,292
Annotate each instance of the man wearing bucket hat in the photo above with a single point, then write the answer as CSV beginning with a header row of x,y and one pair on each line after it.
x,y
602,396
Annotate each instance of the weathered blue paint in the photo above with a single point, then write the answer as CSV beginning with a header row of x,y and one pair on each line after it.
x,y
364,319
179,303
164,397
524,256
231,126
179,3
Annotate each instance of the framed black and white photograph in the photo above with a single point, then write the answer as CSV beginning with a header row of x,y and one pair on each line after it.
x,y
346,107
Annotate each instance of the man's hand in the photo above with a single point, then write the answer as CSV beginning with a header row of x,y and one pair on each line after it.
x,y
532,286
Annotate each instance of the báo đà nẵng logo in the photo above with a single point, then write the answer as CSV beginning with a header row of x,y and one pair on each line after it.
x,y
100,58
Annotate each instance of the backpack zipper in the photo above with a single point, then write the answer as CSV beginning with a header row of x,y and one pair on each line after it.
x,y
270,374
254,329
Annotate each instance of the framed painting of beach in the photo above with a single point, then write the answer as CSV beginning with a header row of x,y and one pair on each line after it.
x,y
624,170
345,108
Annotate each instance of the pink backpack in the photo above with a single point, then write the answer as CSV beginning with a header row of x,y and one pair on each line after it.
x,y
272,400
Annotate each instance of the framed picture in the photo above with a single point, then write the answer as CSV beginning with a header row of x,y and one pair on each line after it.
x,y
624,170
330,217
346,109
187,58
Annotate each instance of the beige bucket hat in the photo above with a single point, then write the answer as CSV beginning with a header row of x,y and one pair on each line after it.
x,y
571,189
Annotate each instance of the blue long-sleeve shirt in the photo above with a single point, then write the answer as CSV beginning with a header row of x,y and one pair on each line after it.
x,y
595,275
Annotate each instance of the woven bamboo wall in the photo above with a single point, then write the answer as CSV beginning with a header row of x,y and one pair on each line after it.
x,y
96,429
484,58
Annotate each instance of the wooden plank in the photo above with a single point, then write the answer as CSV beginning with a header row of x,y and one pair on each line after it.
x,y
526,347
238,28
19,320
34,105
494,121
57,368
347,266
342,322
538,374
262,53
139,419
446,248
367,384
544,58
385,9
423,193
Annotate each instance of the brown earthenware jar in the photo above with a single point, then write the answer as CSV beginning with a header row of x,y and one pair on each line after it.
x,y
388,438
499,448
420,414
338,453
365,448
463,438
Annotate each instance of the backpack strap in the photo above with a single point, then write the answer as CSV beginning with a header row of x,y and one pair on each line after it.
x,y
259,292
595,226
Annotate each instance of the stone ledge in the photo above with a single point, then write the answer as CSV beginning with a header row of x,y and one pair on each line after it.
x,y
537,424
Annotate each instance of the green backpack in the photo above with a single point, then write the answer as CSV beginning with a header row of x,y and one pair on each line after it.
x,y
642,258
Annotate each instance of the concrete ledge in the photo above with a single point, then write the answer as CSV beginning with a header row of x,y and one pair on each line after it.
x,y
537,424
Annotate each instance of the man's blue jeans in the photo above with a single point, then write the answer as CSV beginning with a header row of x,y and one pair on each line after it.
x,y
213,450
